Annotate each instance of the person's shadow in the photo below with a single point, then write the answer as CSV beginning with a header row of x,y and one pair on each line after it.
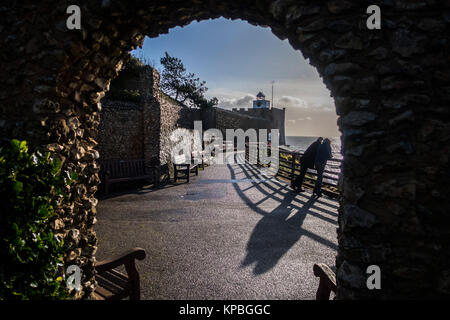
x,y
275,234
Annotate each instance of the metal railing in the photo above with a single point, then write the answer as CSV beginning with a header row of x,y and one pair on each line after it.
x,y
289,168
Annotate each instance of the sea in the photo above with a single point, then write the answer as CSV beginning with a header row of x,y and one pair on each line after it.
x,y
300,144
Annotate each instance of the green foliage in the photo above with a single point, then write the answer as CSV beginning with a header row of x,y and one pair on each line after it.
x,y
124,87
124,95
184,87
204,103
31,256
133,66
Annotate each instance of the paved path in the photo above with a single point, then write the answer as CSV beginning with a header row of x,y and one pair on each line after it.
x,y
229,234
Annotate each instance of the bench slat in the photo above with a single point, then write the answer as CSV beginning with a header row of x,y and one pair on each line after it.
x,y
108,286
117,278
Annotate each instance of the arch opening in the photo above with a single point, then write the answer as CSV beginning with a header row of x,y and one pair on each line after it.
x,y
264,263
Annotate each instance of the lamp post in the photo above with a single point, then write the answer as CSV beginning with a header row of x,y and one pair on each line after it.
x,y
273,81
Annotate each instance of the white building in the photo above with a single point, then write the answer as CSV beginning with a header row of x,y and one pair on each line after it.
x,y
261,102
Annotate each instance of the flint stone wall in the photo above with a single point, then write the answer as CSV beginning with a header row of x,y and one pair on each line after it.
x,y
173,117
121,131
122,134
391,89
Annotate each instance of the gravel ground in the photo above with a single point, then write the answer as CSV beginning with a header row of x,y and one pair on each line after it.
x,y
229,234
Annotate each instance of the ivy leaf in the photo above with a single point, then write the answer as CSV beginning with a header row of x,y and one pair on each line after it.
x,y
18,187
23,146
74,176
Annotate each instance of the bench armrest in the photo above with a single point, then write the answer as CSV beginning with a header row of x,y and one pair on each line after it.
x,y
126,259
327,281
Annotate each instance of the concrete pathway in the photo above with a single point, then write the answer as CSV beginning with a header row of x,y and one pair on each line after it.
x,y
229,234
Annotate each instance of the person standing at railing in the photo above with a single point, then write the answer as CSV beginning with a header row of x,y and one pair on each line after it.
x,y
306,162
323,155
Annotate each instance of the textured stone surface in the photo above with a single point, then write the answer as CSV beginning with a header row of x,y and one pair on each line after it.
x,y
53,79
142,130
121,131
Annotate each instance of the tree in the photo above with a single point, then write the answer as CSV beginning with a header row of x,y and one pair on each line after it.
x,y
184,87
204,103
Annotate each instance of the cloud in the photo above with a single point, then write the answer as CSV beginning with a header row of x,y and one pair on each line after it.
x,y
295,102
244,102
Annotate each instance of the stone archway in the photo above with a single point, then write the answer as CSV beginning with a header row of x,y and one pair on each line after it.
x,y
391,89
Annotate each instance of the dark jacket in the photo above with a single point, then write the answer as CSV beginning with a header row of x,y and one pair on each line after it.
x,y
309,156
323,153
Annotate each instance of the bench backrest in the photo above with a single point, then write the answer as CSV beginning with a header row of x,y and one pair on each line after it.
x,y
180,159
123,168
197,156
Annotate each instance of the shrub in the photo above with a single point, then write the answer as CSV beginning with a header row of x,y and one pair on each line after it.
x,y
31,255
124,95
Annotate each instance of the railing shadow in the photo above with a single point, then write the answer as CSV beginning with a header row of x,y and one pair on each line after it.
x,y
276,187
274,235
280,229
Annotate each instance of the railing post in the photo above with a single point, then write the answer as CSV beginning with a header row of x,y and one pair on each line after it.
x,y
279,161
257,154
293,168
247,152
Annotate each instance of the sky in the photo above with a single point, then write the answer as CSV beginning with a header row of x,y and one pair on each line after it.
x,y
237,60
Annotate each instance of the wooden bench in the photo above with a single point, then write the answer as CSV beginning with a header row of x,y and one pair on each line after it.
x,y
203,157
208,159
327,282
197,158
182,165
114,171
113,284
